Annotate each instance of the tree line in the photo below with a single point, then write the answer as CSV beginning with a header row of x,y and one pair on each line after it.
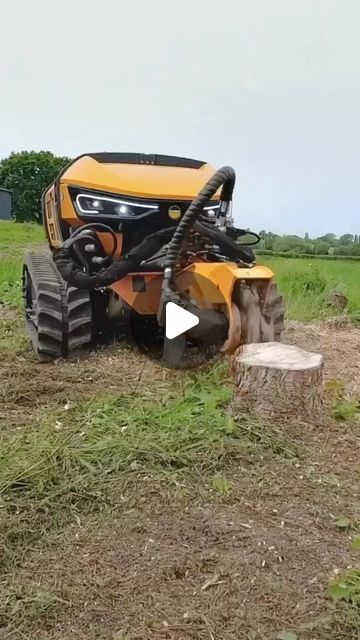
x,y
28,173
329,244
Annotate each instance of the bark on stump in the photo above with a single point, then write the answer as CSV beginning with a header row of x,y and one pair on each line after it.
x,y
278,380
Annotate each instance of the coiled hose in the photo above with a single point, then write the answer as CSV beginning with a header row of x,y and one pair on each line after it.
x,y
224,177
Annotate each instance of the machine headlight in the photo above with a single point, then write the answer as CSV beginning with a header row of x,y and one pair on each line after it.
x,y
89,204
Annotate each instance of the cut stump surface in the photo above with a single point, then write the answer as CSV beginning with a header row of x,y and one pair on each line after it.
x,y
278,379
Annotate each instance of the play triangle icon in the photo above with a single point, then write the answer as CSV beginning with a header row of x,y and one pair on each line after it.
x,y
178,320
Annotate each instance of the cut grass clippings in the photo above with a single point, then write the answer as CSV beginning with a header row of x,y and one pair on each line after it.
x,y
98,455
83,449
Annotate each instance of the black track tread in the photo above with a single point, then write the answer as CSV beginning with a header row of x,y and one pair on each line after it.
x,y
62,318
46,325
79,318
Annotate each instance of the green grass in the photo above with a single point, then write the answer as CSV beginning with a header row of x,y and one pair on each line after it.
x,y
20,233
10,278
101,439
306,284
14,238
85,459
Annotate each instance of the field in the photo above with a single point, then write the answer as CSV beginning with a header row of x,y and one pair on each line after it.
x,y
134,505
306,284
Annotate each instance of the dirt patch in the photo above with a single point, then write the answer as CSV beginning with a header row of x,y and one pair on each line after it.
x,y
338,342
183,560
28,388
178,569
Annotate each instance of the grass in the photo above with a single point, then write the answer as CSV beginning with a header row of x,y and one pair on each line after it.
x,y
68,474
306,285
12,233
102,439
14,238
75,462
92,462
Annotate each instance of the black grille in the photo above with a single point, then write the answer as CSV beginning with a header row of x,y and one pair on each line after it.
x,y
143,158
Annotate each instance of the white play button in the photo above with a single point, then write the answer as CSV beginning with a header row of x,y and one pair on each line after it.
x,y
178,320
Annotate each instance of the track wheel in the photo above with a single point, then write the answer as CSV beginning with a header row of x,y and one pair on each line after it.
x,y
58,318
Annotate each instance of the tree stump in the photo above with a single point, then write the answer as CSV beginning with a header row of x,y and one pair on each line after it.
x,y
278,380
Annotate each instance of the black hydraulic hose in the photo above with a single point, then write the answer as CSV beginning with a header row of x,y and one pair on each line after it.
x,y
227,245
224,177
75,276
97,226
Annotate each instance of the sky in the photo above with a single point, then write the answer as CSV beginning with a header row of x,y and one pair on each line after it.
x,y
271,87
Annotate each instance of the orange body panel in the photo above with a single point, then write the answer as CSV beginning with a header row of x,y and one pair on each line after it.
x,y
143,302
137,180
68,212
107,242
143,181
51,219
217,280
214,286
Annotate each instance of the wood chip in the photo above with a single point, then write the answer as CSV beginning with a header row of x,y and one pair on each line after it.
x,y
212,582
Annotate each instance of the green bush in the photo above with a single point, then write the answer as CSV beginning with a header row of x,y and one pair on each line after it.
x,y
27,174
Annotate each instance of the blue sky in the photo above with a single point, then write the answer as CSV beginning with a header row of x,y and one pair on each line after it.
x,y
271,87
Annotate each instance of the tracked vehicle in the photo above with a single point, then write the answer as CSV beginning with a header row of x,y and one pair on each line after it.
x,y
128,233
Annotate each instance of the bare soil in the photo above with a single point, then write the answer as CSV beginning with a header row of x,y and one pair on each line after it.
x,y
186,561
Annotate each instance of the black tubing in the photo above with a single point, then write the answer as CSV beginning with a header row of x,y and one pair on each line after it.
x,y
227,245
75,276
99,226
224,177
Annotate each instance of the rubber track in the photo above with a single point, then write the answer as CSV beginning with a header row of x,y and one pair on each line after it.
x,y
61,319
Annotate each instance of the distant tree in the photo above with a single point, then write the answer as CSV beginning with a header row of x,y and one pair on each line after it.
x,y
356,239
27,174
328,237
322,248
262,236
289,243
346,250
308,247
269,240
346,239
306,237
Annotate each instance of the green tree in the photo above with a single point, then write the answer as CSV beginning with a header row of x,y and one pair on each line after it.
x,y
289,243
328,237
346,239
343,250
269,240
308,248
322,248
27,174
